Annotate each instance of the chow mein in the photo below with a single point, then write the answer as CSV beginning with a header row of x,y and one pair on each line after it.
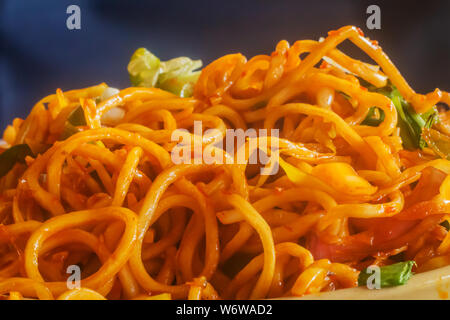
x,y
359,178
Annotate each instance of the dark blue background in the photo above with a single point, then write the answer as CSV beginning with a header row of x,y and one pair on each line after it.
x,y
38,54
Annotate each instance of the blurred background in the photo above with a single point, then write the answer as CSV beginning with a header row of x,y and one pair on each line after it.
x,y
39,54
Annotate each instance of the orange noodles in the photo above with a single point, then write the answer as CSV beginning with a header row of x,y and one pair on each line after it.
x,y
101,193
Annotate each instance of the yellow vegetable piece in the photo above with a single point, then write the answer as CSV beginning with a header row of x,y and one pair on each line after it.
x,y
342,177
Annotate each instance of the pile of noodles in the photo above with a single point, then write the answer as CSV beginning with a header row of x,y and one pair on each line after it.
x,y
109,199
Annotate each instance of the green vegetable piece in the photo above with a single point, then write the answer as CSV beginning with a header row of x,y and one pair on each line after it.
x,y
410,123
446,225
144,68
175,75
181,86
366,84
408,128
76,118
346,96
178,67
390,276
69,130
13,155
372,120
439,142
